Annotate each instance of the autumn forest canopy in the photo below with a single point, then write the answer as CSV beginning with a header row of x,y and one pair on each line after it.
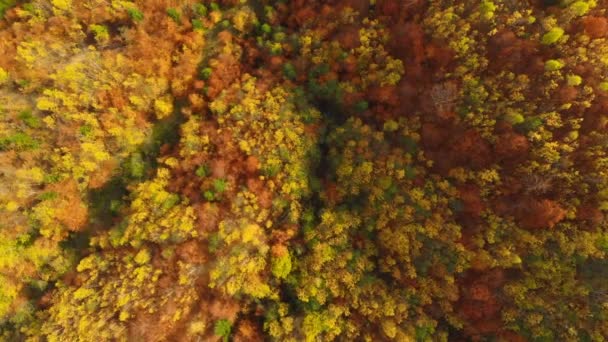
x,y
304,170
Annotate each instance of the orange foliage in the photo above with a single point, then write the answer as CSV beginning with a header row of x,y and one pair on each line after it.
x,y
103,174
70,209
247,331
191,252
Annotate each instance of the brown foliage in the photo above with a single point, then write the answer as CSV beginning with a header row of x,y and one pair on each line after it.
x,y
224,308
247,331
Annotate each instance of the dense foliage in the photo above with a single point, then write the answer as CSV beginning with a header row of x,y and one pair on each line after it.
x,y
351,170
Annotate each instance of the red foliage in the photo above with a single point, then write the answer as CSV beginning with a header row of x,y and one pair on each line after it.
x,y
589,212
479,303
433,135
509,336
473,205
595,27
388,7
449,148
480,292
507,51
408,42
386,95
348,37
331,193
540,214
471,149
511,145
361,6
408,93
567,94
592,120
304,15
439,56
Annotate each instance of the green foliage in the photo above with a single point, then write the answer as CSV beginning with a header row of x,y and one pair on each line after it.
x,y
100,32
46,196
362,106
266,28
135,14
174,14
205,73
219,185
29,119
223,329
514,118
203,171
85,130
19,141
200,10
197,24
136,166
289,71
531,124
5,5
208,195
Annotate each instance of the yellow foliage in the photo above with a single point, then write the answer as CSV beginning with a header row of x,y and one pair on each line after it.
x,y
163,108
4,76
